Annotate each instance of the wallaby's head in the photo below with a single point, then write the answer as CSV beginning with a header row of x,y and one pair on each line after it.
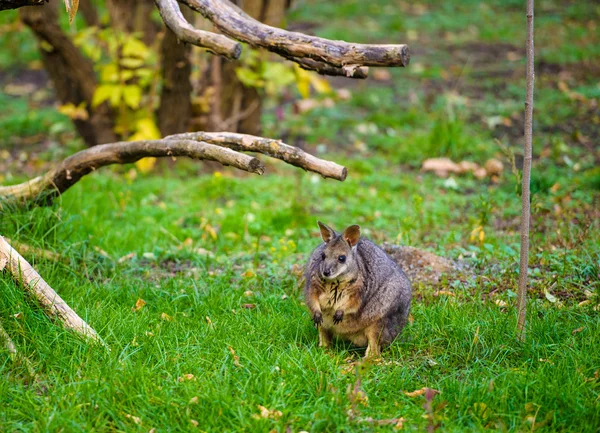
x,y
338,258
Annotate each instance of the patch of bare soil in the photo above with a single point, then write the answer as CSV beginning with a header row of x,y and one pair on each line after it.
x,y
422,266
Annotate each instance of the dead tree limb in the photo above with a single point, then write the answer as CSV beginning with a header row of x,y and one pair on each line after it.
x,y
71,170
220,147
22,271
174,19
311,52
267,146
525,195
235,23
350,71
14,4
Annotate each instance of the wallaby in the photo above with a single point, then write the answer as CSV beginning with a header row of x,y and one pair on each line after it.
x,y
355,291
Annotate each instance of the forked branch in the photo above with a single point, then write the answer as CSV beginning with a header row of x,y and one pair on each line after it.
x,y
220,147
174,19
270,147
322,55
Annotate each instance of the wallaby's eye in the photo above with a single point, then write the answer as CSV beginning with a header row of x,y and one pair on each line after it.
x,y
322,256
342,259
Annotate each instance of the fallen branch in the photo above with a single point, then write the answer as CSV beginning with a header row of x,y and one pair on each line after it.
x,y
322,55
268,146
22,271
174,19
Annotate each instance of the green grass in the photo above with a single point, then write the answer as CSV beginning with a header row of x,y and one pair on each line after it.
x,y
258,229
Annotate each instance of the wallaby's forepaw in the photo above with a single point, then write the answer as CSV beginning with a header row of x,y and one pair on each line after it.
x,y
318,319
338,317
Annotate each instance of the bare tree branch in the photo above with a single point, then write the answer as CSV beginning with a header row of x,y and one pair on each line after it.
x,y
233,22
525,195
22,271
58,180
267,146
350,71
14,4
221,147
174,19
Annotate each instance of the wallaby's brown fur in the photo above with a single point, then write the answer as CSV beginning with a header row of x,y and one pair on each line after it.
x,y
355,291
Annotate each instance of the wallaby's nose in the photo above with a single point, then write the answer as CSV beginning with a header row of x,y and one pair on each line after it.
x,y
327,272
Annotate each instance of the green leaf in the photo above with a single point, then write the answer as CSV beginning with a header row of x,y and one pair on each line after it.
x,y
132,96
249,78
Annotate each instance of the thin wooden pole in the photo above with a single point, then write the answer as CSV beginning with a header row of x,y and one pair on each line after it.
x,y
525,197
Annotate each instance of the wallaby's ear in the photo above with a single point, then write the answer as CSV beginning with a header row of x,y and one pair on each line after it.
x,y
327,233
352,235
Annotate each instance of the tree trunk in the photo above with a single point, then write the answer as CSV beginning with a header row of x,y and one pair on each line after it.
x,y
72,74
236,107
175,108
131,16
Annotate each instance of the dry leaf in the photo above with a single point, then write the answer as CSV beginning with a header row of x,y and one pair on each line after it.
x,y
166,317
500,303
440,166
266,413
381,75
443,293
249,306
194,400
575,331
415,393
236,359
127,257
139,304
248,293
421,391
493,167
208,320
135,419
187,376
194,422
248,274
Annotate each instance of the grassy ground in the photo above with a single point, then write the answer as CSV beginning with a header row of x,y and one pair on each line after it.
x,y
224,330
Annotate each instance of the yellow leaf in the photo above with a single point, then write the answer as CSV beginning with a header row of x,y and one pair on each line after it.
x,y
145,165
146,129
131,62
135,48
166,317
103,93
74,112
109,72
302,82
320,84
132,96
